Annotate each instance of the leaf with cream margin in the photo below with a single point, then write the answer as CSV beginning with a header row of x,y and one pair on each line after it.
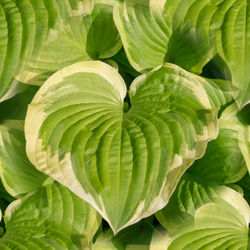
x,y
80,37
228,32
189,34
126,164
226,158
50,218
18,175
24,26
212,217
40,37
144,32
174,31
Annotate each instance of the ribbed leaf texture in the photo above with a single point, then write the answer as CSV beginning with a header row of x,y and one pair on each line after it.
x,y
126,163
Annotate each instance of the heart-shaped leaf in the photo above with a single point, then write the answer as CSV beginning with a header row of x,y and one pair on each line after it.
x,y
126,163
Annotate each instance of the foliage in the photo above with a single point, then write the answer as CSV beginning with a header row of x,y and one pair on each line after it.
x,y
124,124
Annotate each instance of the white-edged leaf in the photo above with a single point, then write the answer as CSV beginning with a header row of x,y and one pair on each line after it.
x,y
226,158
125,163
189,34
203,216
144,33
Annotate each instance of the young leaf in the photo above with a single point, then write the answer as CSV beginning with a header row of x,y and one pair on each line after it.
x,y
125,163
50,218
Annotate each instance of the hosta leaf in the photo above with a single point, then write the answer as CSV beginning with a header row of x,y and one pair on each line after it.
x,y
144,33
198,215
223,161
17,173
51,218
80,37
125,163
40,37
221,25
10,43
24,25
189,34
173,31
191,194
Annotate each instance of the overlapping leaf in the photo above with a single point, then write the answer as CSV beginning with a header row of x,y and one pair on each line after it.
x,y
227,157
40,37
125,163
18,175
135,237
51,218
15,108
189,34
203,216
145,34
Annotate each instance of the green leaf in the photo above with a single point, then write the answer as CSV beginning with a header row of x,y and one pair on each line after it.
x,y
11,43
126,164
199,215
43,36
215,27
50,218
18,175
189,34
15,108
79,38
244,183
144,32
137,236
223,162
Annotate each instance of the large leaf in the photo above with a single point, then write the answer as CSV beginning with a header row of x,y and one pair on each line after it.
x,y
18,175
226,157
198,215
125,163
51,218
189,34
